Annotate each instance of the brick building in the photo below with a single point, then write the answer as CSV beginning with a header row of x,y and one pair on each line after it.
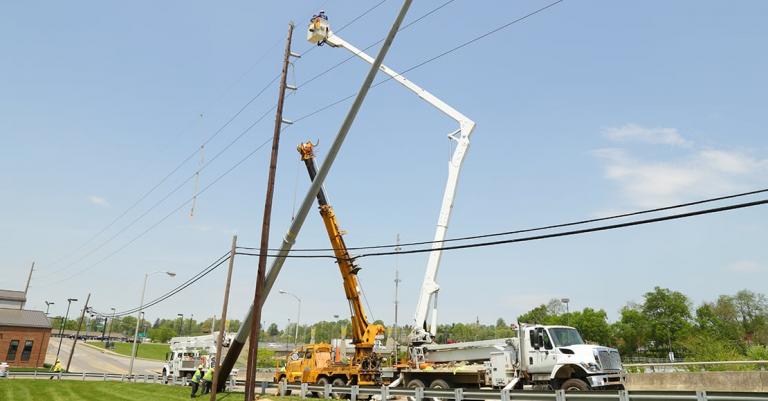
x,y
24,333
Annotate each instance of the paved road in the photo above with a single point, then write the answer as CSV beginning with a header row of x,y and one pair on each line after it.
x,y
89,359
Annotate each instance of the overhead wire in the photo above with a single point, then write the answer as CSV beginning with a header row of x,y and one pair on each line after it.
x,y
207,270
434,58
538,237
187,159
539,228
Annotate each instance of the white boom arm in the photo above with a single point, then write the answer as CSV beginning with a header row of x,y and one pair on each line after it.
x,y
426,308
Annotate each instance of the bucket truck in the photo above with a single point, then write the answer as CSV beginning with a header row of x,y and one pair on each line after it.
x,y
539,357
313,363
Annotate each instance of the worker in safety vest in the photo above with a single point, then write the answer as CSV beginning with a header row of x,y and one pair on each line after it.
x,y
56,369
207,380
196,380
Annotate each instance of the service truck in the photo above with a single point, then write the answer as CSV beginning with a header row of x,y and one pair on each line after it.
x,y
187,353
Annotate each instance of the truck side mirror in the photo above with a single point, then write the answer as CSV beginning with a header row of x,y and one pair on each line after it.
x,y
540,338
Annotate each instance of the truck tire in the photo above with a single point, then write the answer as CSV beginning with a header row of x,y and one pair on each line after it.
x,y
415,383
338,382
284,380
321,382
439,384
574,385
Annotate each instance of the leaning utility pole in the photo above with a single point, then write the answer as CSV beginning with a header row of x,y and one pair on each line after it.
x,y
309,198
26,289
253,348
79,325
223,325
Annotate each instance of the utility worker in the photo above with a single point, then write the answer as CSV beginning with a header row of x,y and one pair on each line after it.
x,y
196,380
56,369
207,380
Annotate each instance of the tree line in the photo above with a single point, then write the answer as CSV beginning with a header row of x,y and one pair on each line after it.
x,y
729,327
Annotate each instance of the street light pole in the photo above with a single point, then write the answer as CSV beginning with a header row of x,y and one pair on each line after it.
x,y
47,306
298,315
138,318
181,323
63,324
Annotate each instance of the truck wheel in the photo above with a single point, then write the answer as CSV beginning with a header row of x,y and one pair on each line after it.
x,y
321,382
574,385
439,384
283,380
165,376
415,383
338,382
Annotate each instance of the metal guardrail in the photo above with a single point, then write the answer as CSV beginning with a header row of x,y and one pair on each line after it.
x,y
761,364
356,393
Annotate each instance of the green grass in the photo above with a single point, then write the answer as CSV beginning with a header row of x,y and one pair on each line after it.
x,y
54,390
147,351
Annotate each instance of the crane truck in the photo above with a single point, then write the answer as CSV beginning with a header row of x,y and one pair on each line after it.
x,y
313,363
539,357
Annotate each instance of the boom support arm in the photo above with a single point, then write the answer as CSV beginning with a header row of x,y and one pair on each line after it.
x,y
363,333
425,319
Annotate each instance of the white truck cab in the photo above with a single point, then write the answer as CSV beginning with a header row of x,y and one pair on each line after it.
x,y
557,357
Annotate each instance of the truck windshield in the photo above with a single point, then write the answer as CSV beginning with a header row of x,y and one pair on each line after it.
x,y
564,337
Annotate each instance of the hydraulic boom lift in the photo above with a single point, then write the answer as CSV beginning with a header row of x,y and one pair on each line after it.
x,y
425,320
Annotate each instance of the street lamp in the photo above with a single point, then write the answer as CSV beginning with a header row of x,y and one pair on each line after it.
x,y
566,301
181,323
138,317
298,315
64,323
47,306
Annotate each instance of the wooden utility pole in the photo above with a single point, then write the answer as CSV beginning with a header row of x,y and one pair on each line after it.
x,y
223,325
253,348
79,325
26,289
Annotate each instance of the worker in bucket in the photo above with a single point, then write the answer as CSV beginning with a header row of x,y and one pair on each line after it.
x,y
196,380
56,369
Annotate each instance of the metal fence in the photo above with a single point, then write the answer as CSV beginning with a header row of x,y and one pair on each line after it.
x,y
689,366
358,393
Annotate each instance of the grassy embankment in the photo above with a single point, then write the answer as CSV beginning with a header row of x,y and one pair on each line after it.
x,y
54,390
147,351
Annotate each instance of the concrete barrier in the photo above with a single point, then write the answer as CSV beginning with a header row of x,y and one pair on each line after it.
x,y
709,381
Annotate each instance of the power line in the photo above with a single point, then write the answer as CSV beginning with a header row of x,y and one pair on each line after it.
x,y
406,26
157,223
577,232
538,237
207,270
192,155
540,228
162,181
199,275
429,60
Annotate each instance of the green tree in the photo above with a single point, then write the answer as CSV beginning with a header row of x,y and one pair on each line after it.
x,y
631,331
539,314
273,331
669,314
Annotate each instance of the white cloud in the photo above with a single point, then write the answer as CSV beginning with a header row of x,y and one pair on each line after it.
x,y
97,200
745,266
634,132
692,174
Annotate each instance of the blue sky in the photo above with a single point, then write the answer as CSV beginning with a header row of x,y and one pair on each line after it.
x,y
587,109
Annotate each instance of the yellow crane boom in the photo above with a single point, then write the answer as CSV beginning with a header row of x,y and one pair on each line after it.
x,y
363,333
